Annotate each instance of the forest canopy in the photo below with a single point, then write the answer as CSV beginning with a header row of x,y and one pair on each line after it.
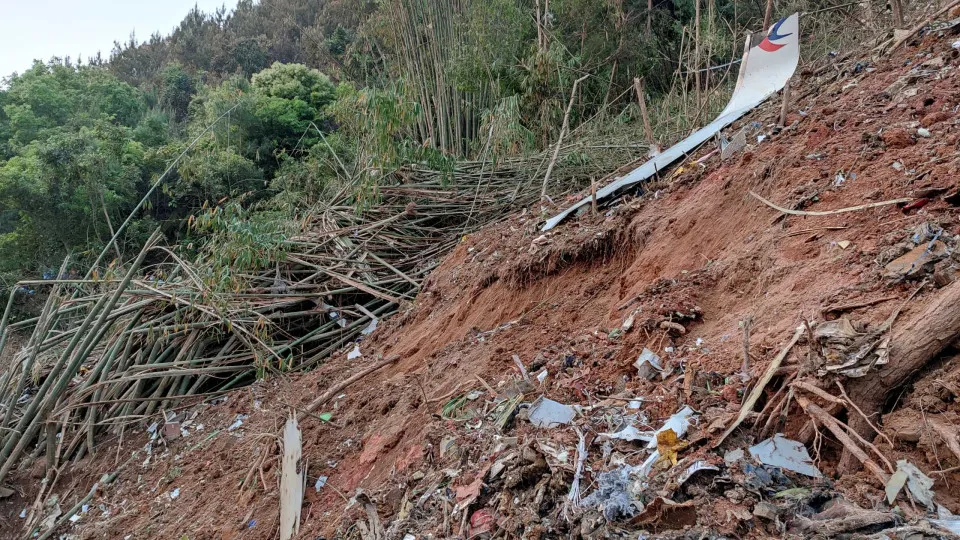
x,y
270,107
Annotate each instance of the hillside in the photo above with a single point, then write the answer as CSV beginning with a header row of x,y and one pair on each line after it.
x,y
439,442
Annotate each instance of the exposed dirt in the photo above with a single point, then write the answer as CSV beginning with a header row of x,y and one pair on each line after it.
x,y
686,262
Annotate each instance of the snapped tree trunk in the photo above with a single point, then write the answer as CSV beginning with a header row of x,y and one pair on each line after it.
x,y
914,342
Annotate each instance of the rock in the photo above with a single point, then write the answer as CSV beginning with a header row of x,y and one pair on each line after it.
x,y
897,86
897,138
916,260
936,62
767,511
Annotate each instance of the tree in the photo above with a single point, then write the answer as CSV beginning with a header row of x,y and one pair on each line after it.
x,y
176,90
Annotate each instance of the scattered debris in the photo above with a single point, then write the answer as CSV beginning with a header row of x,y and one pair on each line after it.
x,y
664,514
629,433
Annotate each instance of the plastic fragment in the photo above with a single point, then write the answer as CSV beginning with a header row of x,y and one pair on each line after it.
x,y
321,481
678,423
355,353
952,525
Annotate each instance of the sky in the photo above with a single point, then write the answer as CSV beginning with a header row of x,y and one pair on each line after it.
x,y
41,29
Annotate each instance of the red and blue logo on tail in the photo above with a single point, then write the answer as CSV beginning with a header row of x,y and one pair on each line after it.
x,y
769,43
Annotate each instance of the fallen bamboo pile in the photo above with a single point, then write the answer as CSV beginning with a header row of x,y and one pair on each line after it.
x,y
107,352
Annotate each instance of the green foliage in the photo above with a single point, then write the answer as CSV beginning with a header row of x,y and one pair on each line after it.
x,y
505,133
176,90
64,187
410,82
50,95
212,174
294,82
74,162
238,241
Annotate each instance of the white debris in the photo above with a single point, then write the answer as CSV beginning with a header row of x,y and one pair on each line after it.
x,y
918,483
629,433
924,132
784,453
679,423
321,481
627,324
175,493
370,328
733,456
648,365
952,525
546,413
355,353
695,467
237,422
